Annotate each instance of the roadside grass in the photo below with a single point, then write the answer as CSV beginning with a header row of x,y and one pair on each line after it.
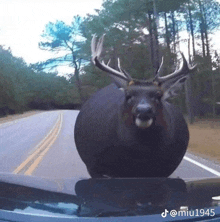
x,y
205,139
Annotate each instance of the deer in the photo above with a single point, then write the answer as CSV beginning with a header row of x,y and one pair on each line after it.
x,y
130,128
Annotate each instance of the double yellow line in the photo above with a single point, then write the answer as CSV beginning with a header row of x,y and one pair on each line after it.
x,y
31,163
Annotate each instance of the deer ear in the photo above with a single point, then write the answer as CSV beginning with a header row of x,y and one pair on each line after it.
x,y
172,90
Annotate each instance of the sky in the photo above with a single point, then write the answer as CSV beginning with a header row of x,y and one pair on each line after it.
x,y
22,22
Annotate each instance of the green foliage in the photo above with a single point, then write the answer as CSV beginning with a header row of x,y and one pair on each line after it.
x,y
60,37
22,89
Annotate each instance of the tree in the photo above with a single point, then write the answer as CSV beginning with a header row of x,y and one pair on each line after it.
x,y
60,37
208,13
133,34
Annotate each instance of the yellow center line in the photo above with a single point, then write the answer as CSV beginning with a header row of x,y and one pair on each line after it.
x,y
40,150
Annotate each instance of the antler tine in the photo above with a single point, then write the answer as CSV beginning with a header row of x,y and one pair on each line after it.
x,y
119,65
160,70
190,69
183,70
99,46
96,49
93,48
96,52
108,62
193,69
123,71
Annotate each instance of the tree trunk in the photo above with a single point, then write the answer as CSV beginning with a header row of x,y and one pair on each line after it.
x,y
202,39
189,54
189,93
214,95
167,34
173,31
151,39
178,38
209,63
78,84
156,21
76,74
202,28
207,39
192,31
207,42
189,100
204,22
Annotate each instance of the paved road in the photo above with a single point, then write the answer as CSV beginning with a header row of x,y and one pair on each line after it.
x,y
43,145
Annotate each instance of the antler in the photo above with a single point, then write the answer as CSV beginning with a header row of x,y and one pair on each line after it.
x,y
124,76
183,70
96,52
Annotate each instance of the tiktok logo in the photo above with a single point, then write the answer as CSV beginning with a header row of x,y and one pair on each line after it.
x,y
164,214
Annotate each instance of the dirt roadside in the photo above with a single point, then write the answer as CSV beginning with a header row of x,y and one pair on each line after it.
x,y
205,139
18,116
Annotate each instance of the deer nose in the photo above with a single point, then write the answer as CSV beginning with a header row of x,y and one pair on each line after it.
x,y
144,111
144,108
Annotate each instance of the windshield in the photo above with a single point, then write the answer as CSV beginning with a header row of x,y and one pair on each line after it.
x,y
66,129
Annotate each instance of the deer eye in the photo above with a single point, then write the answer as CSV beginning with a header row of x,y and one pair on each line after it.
x,y
129,98
158,95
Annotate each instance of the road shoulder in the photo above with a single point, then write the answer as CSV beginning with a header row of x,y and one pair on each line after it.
x,y
9,118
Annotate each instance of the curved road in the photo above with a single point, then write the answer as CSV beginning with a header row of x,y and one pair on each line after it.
x,y
43,145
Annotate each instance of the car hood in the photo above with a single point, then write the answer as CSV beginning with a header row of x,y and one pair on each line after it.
x,y
86,197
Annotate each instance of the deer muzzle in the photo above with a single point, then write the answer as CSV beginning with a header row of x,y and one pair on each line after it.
x,y
143,114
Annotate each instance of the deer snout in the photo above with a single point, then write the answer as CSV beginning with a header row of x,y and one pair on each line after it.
x,y
144,114
144,111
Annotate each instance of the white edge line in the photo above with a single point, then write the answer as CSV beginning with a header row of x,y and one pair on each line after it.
x,y
202,166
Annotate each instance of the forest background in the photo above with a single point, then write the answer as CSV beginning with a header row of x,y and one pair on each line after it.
x,y
139,33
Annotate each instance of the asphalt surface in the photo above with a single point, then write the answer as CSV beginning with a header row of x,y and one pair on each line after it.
x,y
43,145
